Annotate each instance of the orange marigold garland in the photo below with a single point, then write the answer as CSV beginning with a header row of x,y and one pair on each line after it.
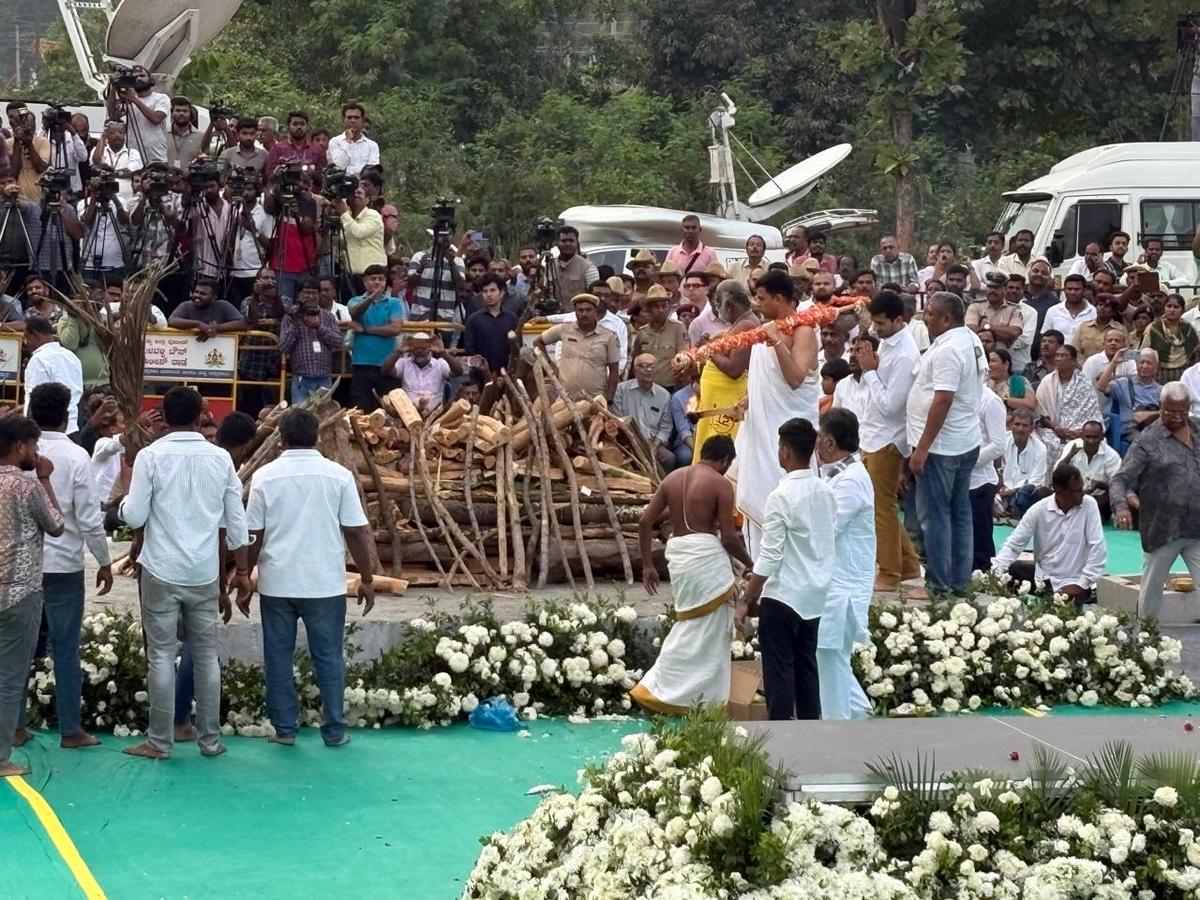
x,y
816,316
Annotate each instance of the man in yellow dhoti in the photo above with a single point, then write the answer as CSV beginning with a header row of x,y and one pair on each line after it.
x,y
693,663
723,378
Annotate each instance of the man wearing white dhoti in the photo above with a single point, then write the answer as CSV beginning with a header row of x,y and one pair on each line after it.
x,y
844,622
782,385
693,663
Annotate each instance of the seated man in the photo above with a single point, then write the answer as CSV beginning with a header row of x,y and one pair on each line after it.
x,y
649,405
684,441
1023,476
1097,462
1069,552
205,313
422,366
693,664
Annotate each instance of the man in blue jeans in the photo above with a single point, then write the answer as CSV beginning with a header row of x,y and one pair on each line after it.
x,y
62,559
942,424
304,512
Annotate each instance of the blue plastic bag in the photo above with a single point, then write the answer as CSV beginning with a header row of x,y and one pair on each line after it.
x,y
495,714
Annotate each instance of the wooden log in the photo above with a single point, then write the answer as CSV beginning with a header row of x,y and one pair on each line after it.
x,y
508,484
392,587
561,415
386,507
472,424
518,392
583,464
404,409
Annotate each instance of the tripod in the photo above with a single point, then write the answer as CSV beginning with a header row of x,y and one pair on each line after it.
x,y
16,248
198,208
336,258
152,236
547,287
277,254
61,262
92,252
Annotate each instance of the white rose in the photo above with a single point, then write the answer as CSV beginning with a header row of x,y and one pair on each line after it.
x,y
710,790
442,679
545,639
616,648
1166,796
469,703
722,825
1193,854
1088,698
521,698
459,662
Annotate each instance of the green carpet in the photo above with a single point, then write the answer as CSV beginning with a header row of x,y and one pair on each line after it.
x,y
396,813
1124,550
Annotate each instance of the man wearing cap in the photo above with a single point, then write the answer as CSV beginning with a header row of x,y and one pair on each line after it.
x,y
690,254
802,276
994,314
588,363
642,266
422,367
609,304
661,338
670,278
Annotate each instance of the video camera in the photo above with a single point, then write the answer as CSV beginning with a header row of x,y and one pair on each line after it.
x,y
104,185
241,179
55,180
156,182
290,176
220,109
55,118
441,221
123,78
337,185
544,230
201,172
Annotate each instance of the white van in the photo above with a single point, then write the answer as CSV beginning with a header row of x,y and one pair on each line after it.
x,y
1144,189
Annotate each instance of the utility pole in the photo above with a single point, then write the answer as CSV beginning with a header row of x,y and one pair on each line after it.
x,y
17,50
1187,41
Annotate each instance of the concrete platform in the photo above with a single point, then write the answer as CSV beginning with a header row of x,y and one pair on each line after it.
x,y
828,761
1120,592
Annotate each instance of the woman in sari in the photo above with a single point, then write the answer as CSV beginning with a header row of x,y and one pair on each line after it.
x,y
723,378
1066,401
1176,342
1014,389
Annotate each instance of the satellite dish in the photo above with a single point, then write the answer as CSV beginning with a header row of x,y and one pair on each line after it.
x,y
792,184
162,35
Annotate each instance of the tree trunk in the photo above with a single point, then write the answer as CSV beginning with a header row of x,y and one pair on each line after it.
x,y
906,187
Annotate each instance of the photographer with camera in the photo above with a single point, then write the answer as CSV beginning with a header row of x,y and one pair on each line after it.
x,y
155,215
104,219
435,275
67,149
209,218
19,229
362,226
114,153
252,232
371,182
289,199
131,96
28,151
309,337
245,154
185,141
297,146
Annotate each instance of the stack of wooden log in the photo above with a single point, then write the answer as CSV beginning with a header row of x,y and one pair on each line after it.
x,y
540,489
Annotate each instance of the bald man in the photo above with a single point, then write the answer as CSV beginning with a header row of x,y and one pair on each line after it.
x,y
649,405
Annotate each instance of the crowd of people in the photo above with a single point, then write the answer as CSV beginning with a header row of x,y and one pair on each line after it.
x,y
867,426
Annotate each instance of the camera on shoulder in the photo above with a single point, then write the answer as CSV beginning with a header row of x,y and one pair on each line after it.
x,y
336,184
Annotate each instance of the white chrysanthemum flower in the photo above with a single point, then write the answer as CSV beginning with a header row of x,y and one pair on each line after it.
x,y
1166,796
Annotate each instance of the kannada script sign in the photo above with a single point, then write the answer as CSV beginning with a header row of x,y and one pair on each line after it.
x,y
10,358
178,356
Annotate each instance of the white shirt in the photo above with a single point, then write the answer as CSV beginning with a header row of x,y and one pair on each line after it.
x,y
1021,349
1093,367
955,362
1022,467
1059,318
301,502
149,139
1068,548
107,456
1010,264
157,316
79,504
1191,380
920,334
76,152
992,423
106,245
706,324
851,394
182,490
1100,469
609,320
881,422
854,541
984,265
797,551
1080,267
125,159
247,257
352,155
52,362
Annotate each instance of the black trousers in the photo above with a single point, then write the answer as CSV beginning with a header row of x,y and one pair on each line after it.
x,y
981,524
789,657
366,382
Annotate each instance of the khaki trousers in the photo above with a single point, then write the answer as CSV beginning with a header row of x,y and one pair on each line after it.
x,y
894,551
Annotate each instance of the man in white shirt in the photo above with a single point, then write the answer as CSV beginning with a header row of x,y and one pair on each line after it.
x,y
62,560
943,430
993,246
51,362
844,621
792,575
147,113
1115,342
850,393
185,493
984,479
1019,261
888,377
304,512
1168,273
351,150
113,150
1070,312
1068,540
1024,467
1096,461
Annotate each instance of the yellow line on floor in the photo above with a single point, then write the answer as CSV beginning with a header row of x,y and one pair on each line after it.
x,y
1031,711
62,841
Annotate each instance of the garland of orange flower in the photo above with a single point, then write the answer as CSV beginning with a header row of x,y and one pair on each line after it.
x,y
816,316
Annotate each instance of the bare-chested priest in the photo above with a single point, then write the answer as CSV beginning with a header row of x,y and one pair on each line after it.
x,y
693,664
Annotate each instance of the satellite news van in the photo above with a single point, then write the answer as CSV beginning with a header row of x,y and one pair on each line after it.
x,y
1144,189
